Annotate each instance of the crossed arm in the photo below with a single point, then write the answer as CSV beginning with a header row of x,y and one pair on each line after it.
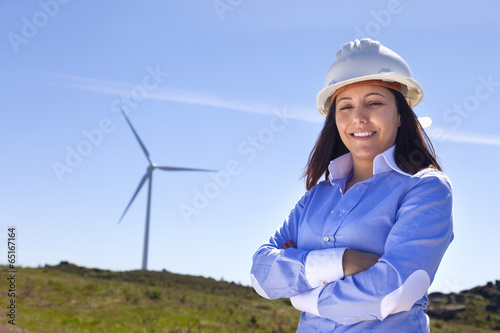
x,y
353,261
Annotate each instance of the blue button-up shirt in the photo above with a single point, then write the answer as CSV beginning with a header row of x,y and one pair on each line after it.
x,y
406,219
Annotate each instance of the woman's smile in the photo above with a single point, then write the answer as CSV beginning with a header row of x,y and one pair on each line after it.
x,y
363,135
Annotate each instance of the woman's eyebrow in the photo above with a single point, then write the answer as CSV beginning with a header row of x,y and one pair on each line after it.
x,y
349,98
367,95
374,93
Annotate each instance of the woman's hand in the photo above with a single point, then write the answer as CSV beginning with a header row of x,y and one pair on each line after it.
x,y
354,262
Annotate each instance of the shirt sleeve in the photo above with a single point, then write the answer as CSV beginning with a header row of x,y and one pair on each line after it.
x,y
413,250
280,273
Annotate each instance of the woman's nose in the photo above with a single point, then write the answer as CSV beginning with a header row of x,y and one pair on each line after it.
x,y
359,115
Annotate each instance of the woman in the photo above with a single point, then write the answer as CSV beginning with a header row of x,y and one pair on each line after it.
x,y
361,247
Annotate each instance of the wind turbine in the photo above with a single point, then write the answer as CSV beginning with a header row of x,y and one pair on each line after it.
x,y
149,176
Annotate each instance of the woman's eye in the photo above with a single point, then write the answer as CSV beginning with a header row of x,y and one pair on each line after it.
x,y
345,107
375,103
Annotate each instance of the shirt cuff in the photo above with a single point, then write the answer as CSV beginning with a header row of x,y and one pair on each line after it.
x,y
308,302
324,266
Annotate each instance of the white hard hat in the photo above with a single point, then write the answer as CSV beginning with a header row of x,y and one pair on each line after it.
x,y
364,60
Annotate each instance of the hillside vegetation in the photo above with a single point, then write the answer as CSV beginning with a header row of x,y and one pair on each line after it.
x,y
68,298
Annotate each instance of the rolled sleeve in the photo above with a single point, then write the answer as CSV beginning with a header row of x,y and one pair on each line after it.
x,y
308,302
324,266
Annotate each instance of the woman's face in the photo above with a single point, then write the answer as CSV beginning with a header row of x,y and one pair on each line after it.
x,y
367,120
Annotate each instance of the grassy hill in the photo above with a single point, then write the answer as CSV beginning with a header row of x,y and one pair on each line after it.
x,y
68,298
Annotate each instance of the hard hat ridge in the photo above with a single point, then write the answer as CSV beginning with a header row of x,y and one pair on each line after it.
x,y
365,45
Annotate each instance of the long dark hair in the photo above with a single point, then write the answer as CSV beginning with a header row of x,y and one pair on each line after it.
x,y
413,152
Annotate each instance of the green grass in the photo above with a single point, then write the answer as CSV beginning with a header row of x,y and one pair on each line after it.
x,y
67,298
440,326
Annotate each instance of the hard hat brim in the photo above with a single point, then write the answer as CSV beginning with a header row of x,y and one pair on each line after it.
x,y
411,90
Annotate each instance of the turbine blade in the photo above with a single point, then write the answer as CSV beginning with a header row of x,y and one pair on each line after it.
x,y
137,137
167,168
143,180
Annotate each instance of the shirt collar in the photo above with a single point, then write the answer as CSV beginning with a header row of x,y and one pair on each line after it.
x,y
341,167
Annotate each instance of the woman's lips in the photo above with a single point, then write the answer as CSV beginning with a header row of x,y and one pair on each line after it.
x,y
363,135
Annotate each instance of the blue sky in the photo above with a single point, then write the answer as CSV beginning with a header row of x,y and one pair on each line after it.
x,y
226,85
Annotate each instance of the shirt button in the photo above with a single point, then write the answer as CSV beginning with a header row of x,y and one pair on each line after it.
x,y
326,239
332,211
324,282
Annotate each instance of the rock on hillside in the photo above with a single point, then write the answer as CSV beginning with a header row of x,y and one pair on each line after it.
x,y
478,307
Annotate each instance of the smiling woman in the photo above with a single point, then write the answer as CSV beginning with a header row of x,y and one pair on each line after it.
x,y
361,248
367,120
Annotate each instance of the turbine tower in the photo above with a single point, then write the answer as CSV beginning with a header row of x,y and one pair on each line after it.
x,y
149,177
